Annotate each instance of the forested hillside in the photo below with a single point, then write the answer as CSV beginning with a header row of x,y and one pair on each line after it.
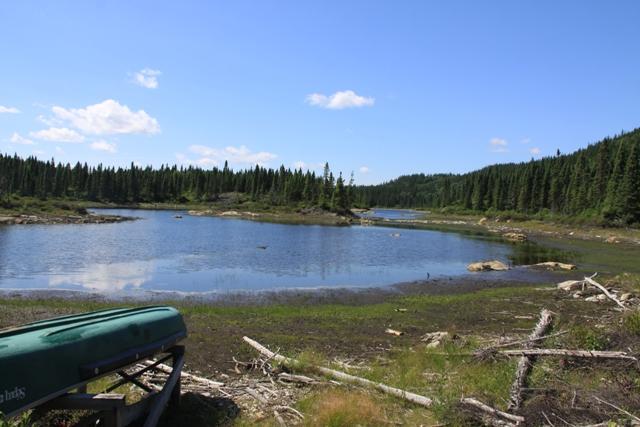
x,y
35,178
601,181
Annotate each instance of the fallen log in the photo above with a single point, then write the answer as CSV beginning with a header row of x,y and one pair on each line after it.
x,y
411,397
492,411
525,362
521,342
604,290
569,353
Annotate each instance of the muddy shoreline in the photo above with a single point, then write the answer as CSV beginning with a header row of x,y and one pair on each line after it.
x,y
354,296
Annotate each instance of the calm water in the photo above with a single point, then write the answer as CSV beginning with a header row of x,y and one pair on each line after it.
x,y
203,254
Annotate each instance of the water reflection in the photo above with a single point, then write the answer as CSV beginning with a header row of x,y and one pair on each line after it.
x,y
107,277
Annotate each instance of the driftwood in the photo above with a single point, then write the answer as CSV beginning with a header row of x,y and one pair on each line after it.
x,y
570,353
296,378
522,342
393,332
411,397
604,290
524,363
517,419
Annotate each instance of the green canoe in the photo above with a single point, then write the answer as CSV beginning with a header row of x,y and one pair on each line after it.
x,y
42,360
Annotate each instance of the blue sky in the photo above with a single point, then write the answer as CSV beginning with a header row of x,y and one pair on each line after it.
x,y
381,88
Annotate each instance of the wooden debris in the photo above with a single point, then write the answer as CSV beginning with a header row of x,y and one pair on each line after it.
x,y
393,332
617,408
279,418
516,419
167,370
434,339
570,353
604,290
297,378
524,363
411,397
522,342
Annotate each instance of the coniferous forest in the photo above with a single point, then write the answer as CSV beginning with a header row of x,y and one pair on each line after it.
x,y
600,182
47,179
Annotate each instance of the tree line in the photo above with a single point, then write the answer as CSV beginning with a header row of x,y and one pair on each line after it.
x,y
599,182
31,177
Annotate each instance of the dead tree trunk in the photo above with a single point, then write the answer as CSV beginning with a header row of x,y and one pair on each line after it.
x,y
411,397
524,363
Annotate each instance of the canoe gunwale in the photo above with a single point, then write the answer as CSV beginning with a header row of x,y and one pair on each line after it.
x,y
130,356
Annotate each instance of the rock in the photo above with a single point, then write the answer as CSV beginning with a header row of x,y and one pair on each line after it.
x,y
553,265
577,295
487,266
515,237
601,297
482,220
570,285
7,220
593,298
434,339
230,213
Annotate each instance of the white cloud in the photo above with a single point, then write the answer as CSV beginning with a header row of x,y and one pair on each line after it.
x,y
147,78
535,151
107,118
102,145
234,155
8,110
300,164
525,141
339,100
364,169
16,138
498,145
58,135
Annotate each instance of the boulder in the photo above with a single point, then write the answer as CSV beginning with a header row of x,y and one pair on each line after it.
x,y
482,220
487,266
515,237
7,220
570,285
553,265
434,339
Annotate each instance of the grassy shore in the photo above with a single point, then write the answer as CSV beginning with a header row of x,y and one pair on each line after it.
x,y
326,333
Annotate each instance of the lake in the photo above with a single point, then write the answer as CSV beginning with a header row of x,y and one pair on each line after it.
x,y
222,255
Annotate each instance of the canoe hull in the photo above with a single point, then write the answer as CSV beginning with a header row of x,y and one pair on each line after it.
x,y
41,360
